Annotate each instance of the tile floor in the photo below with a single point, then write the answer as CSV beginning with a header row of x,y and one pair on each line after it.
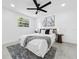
x,y
64,51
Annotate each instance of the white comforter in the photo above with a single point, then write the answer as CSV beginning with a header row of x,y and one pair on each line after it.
x,y
37,46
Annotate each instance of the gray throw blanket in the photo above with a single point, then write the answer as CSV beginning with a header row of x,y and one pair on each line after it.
x,y
29,38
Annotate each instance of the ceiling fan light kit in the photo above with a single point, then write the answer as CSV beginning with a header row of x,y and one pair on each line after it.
x,y
38,7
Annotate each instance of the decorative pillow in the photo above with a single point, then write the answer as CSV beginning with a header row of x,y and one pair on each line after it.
x,y
42,31
47,31
51,32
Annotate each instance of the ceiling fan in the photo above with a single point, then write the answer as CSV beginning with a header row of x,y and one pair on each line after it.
x,y
38,7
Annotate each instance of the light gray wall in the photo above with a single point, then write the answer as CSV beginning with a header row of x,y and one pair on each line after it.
x,y
11,32
66,22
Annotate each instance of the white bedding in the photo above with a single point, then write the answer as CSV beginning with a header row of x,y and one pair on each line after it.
x,y
37,46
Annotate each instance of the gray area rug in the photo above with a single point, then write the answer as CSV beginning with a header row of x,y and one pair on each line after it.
x,y
19,52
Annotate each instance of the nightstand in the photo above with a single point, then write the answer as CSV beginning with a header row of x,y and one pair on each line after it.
x,y
59,38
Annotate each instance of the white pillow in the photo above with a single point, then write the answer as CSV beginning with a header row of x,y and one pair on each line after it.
x,y
51,32
42,31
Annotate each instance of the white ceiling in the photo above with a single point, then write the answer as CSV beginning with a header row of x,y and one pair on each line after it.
x,y
21,5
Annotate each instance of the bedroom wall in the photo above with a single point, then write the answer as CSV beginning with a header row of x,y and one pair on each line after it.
x,y
11,32
66,22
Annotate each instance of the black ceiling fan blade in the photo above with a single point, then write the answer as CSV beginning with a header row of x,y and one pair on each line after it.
x,y
43,10
32,8
46,4
35,3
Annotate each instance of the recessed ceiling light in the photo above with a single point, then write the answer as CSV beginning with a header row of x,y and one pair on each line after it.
x,y
12,5
63,4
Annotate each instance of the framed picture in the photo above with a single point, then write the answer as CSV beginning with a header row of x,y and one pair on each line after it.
x,y
49,21
22,22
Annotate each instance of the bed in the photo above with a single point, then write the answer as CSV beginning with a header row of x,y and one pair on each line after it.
x,y
38,43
